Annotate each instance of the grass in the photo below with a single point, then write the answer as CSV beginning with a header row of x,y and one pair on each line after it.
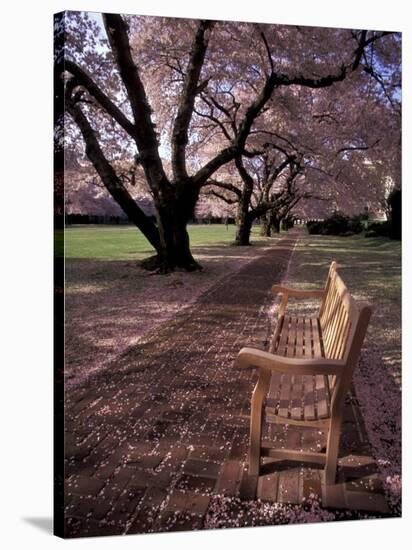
x,y
369,266
101,242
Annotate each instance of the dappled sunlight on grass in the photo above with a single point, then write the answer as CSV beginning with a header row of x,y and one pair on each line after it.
x,y
366,261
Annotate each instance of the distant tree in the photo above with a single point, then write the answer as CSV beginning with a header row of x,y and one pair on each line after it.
x,y
267,188
347,143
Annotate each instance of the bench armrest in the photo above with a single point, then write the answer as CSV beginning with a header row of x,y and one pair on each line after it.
x,y
251,357
276,289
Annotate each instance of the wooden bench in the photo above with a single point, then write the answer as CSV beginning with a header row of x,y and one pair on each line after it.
x,y
308,369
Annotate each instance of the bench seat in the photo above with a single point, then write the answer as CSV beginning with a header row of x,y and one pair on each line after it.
x,y
298,397
298,337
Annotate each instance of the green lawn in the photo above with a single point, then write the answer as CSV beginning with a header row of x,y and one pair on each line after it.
x,y
127,243
370,266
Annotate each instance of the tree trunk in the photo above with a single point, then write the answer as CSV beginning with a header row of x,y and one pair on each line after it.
x,y
177,253
265,226
274,225
243,232
244,225
244,218
173,212
273,222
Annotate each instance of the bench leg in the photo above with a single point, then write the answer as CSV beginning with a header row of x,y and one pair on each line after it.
x,y
332,450
258,396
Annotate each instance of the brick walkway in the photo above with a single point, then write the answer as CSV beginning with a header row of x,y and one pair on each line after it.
x,y
152,439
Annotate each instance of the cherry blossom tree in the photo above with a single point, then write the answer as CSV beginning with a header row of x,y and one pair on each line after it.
x,y
329,150
162,84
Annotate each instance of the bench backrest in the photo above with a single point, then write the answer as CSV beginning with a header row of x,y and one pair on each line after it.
x,y
334,315
343,323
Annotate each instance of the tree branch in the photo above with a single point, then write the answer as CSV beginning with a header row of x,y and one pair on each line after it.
x,y
255,108
224,185
322,82
278,136
277,170
222,109
359,51
323,116
262,34
87,82
224,156
211,117
377,36
145,134
356,148
221,197
110,179
187,100
370,70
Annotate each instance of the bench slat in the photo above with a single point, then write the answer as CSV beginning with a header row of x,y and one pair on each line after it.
x,y
299,336
274,389
308,343
328,327
322,405
291,345
338,332
325,297
285,393
296,398
333,332
328,303
309,412
316,337
281,347
345,335
274,341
